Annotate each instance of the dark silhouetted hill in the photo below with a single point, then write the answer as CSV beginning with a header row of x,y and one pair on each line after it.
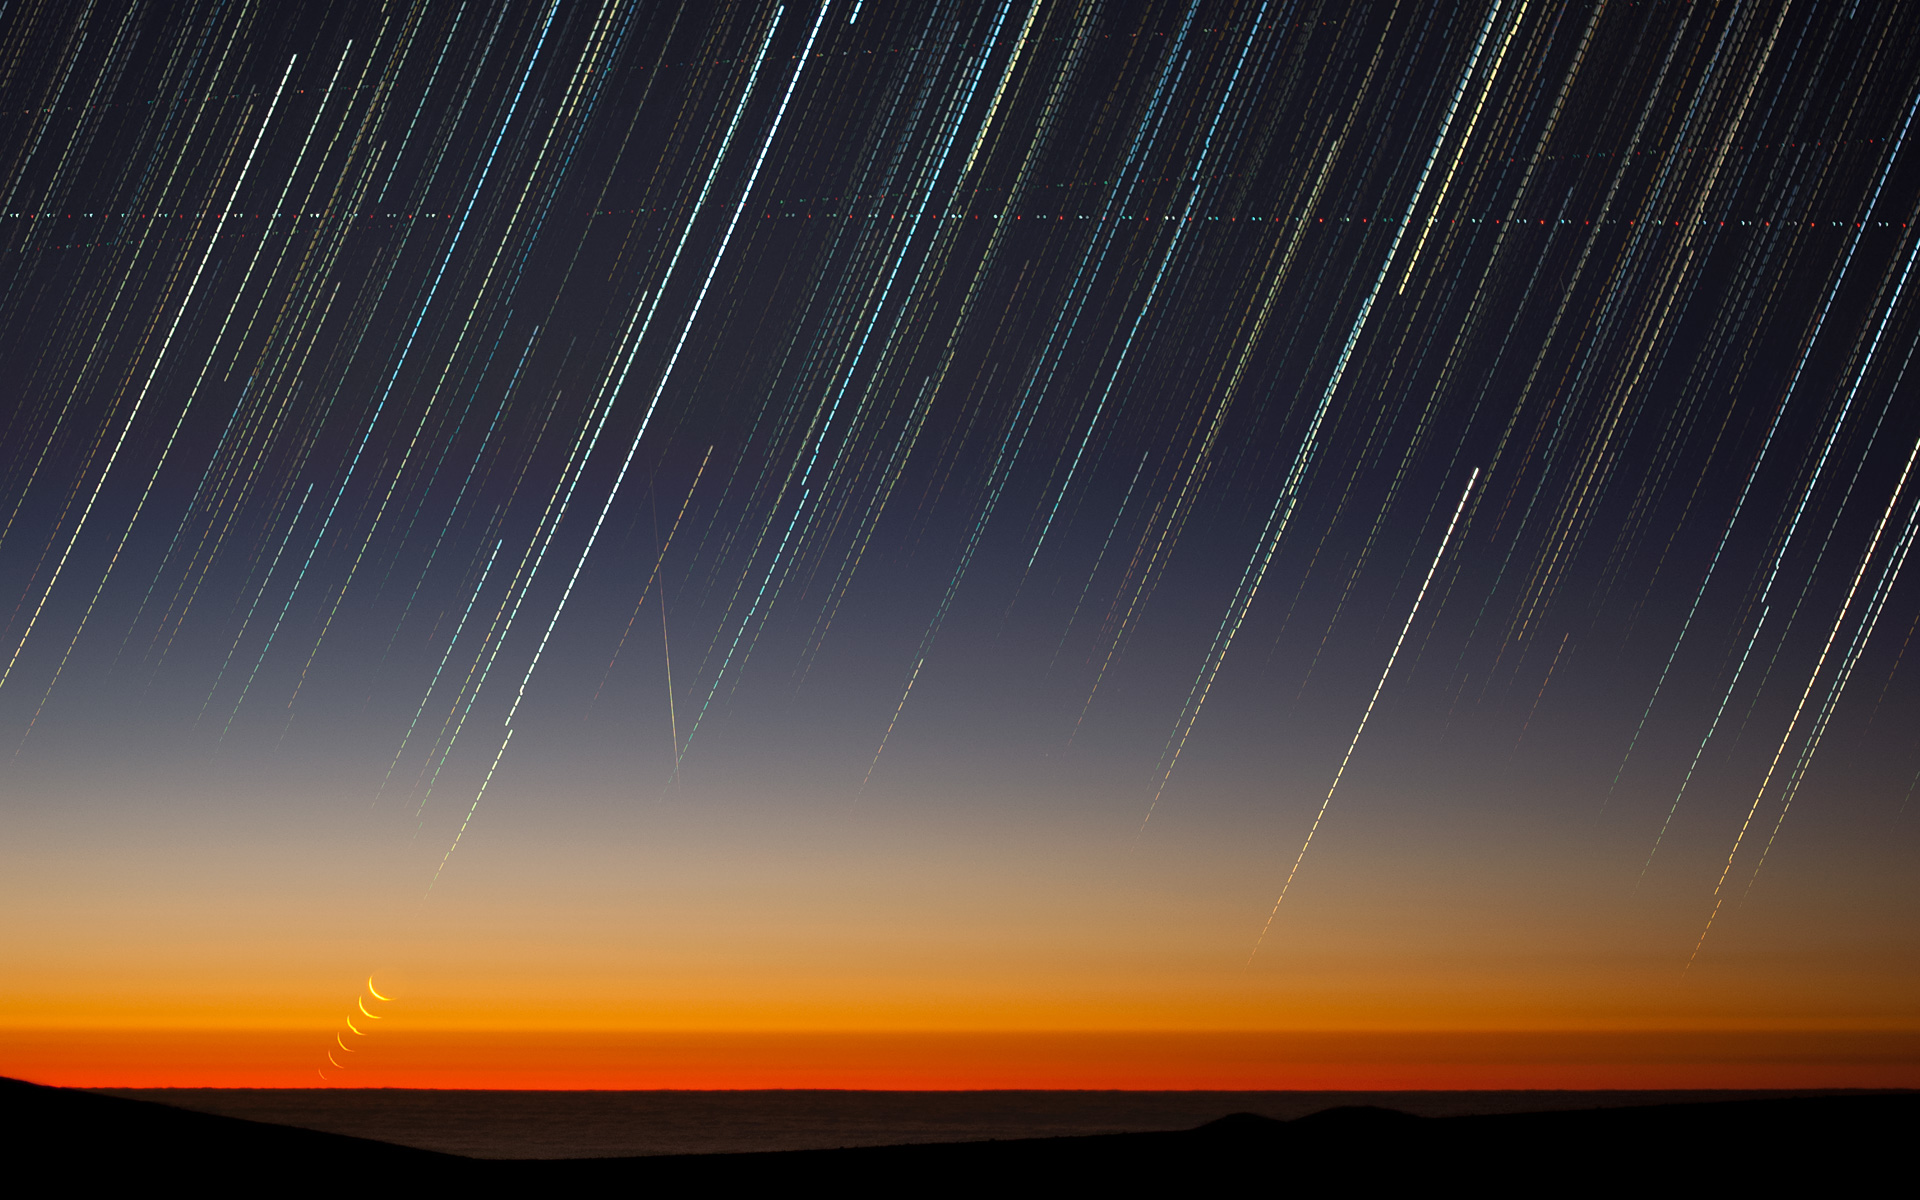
x,y
82,1142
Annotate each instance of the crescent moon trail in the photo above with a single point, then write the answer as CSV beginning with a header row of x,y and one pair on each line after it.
x,y
1419,490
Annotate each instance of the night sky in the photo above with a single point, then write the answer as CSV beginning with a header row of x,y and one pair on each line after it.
x,y
990,515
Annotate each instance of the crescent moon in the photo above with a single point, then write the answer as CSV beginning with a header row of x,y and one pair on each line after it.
x,y
376,994
321,1074
331,1060
343,1045
363,1008
350,1025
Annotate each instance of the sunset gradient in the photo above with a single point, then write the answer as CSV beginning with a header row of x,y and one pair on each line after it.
x,y
1161,544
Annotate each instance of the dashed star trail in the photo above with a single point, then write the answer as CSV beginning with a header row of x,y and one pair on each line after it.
x,y
1076,438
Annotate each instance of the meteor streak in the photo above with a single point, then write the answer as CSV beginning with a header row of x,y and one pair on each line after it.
x,y
653,401
1037,355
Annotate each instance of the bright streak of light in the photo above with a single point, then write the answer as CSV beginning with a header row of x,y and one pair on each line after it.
x,y
1372,700
653,402
166,342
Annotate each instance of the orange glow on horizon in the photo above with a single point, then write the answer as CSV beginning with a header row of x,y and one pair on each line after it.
x,y
941,1061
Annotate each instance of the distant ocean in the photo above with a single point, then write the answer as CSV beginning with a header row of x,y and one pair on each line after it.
x,y
486,1124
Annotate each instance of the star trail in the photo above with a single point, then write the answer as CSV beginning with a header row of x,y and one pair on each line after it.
x,y
1106,426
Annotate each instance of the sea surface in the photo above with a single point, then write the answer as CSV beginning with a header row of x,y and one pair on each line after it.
x,y
486,1124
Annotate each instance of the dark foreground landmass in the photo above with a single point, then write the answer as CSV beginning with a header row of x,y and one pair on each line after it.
x,y
85,1141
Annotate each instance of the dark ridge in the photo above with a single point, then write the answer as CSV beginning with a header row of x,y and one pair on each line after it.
x,y
1356,1118
1832,1144
1240,1124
